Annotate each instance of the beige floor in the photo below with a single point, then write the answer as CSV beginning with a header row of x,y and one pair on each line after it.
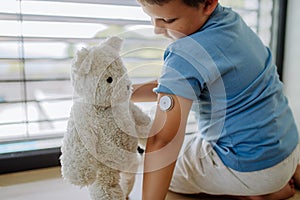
x,y
47,184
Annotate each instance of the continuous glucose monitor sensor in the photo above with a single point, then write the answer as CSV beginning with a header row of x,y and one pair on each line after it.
x,y
166,103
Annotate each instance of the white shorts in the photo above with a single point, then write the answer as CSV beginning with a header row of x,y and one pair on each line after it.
x,y
200,170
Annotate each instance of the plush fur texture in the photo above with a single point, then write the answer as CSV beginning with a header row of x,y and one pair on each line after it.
x,y
100,147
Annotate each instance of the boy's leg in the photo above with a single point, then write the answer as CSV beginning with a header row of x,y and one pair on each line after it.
x,y
200,170
286,192
296,177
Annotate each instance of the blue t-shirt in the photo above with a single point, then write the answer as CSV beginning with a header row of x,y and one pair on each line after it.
x,y
231,77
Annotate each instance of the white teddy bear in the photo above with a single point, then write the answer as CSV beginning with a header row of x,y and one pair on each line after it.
x,y
100,147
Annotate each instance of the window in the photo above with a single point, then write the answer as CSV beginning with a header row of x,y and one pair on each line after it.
x,y
39,39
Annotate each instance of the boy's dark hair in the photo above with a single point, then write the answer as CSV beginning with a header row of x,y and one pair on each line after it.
x,y
192,3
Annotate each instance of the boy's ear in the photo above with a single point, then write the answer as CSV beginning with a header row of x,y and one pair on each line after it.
x,y
210,5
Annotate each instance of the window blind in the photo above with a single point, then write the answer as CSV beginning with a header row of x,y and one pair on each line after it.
x,y
39,39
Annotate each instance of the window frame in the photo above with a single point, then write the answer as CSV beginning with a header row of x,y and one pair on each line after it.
x,y
278,34
34,159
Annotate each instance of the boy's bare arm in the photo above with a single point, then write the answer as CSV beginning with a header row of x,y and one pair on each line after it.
x,y
163,146
144,92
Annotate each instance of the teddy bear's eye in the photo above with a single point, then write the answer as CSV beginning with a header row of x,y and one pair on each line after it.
x,y
109,80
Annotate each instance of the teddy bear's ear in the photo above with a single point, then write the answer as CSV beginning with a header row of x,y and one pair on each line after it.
x,y
114,42
83,61
85,66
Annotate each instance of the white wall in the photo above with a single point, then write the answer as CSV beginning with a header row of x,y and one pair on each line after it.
x,y
291,76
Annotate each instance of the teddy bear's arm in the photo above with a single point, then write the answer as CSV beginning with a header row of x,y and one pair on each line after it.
x,y
103,150
96,143
142,120
139,116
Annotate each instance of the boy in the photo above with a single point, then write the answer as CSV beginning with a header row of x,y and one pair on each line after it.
x,y
247,143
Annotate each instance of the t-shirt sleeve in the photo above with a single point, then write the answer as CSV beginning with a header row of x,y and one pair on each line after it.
x,y
179,77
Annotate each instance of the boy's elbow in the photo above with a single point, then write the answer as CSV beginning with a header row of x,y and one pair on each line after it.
x,y
155,143
161,139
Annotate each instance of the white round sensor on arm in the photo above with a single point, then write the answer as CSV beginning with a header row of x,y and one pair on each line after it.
x,y
166,103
